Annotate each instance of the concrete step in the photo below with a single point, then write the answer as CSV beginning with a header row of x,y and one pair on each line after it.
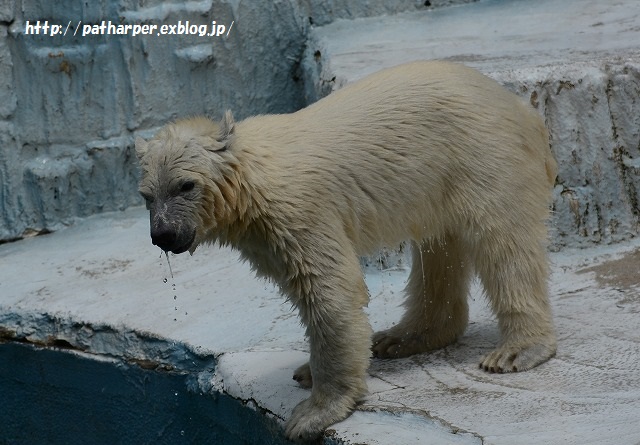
x,y
576,61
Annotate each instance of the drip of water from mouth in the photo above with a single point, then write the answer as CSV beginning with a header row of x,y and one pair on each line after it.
x,y
166,254
173,283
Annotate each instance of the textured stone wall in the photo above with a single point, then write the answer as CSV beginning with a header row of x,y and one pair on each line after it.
x,y
70,106
592,111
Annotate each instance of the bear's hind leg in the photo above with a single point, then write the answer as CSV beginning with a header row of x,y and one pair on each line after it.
x,y
515,280
437,311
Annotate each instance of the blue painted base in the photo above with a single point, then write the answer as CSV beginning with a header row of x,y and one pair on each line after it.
x,y
51,396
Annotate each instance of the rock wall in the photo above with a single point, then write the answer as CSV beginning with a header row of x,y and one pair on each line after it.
x,y
592,111
70,105
322,12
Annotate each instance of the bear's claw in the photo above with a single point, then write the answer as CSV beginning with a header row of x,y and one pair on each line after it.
x,y
302,375
392,344
509,358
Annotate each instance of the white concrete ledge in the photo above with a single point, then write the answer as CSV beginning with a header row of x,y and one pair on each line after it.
x,y
98,287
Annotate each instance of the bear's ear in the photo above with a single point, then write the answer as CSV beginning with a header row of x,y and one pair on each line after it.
x,y
227,129
141,147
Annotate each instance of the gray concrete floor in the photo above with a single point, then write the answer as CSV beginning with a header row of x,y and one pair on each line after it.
x,y
104,272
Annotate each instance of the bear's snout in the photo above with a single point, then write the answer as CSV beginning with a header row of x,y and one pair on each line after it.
x,y
168,238
163,236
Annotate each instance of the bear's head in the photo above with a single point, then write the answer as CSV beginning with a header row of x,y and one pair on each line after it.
x,y
187,171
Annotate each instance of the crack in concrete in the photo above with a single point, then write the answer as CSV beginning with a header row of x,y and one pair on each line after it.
x,y
388,382
210,383
421,413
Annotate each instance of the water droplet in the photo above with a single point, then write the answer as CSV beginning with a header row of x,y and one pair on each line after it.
x,y
175,297
182,433
164,280
169,263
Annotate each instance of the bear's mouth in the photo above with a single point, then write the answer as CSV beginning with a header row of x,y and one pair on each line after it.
x,y
172,241
183,247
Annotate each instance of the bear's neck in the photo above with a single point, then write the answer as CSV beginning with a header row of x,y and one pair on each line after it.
x,y
239,200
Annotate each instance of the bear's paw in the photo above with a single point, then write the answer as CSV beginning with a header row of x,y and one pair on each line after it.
x,y
312,416
302,375
515,358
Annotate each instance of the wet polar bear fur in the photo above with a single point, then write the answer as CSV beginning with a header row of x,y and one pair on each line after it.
x,y
432,152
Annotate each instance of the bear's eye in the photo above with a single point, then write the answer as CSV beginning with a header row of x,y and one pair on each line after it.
x,y
187,186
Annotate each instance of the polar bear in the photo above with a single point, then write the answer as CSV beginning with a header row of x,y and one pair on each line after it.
x,y
431,152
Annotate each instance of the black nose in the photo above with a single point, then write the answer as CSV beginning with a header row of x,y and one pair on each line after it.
x,y
164,237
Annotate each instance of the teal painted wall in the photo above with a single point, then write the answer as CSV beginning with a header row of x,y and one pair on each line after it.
x,y
58,397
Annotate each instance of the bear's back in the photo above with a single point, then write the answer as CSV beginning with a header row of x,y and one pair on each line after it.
x,y
427,144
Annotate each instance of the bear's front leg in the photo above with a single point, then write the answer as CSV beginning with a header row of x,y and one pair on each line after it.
x,y
331,307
